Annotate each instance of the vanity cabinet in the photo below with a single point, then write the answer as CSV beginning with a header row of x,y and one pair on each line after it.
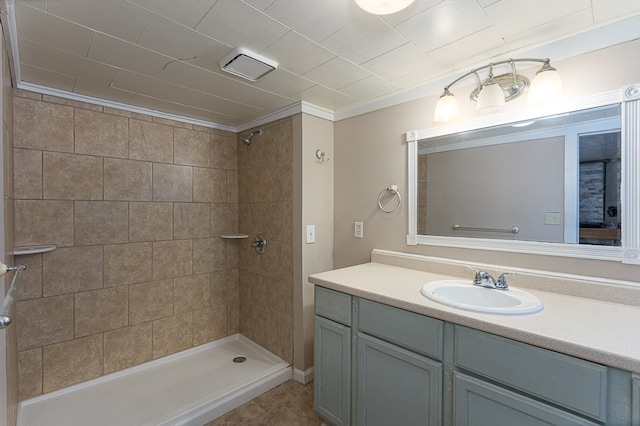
x,y
332,352
379,365
398,372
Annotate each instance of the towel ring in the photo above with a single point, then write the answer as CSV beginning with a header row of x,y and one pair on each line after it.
x,y
393,190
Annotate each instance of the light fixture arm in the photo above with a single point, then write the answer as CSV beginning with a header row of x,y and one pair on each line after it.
x,y
545,61
491,94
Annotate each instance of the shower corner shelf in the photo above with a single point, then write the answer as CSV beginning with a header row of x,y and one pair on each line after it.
x,y
18,251
233,236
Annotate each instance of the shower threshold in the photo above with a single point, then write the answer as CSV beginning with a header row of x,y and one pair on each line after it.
x,y
189,388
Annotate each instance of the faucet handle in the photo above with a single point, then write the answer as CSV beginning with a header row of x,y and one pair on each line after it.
x,y
501,282
476,279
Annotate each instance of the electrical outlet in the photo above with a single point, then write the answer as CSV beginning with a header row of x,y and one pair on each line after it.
x,y
311,234
552,218
358,230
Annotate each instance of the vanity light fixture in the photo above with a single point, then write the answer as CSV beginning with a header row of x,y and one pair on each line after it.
x,y
383,7
491,94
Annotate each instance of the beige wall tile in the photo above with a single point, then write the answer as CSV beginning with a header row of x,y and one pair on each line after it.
x,y
127,347
282,177
209,324
172,183
191,148
208,255
191,220
45,321
225,287
233,319
171,335
101,134
30,286
224,152
101,310
277,222
27,174
150,141
101,222
127,180
127,264
72,362
150,301
173,123
278,261
279,297
41,125
232,186
72,269
233,259
71,177
209,185
172,259
71,102
29,373
224,219
192,293
128,114
150,221
43,222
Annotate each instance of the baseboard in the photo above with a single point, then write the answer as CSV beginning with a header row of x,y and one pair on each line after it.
x,y
303,377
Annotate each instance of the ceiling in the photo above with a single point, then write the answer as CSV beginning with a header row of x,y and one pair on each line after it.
x,y
164,55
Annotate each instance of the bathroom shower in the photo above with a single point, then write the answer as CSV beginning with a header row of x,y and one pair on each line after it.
x,y
247,139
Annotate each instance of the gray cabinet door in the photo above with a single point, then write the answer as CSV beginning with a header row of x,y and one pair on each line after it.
x,y
396,386
332,371
478,403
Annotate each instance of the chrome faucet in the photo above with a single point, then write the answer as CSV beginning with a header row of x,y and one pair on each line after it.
x,y
484,279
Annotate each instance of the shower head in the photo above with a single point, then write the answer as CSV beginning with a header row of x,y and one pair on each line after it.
x,y
247,139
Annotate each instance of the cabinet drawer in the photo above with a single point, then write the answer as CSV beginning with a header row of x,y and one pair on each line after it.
x,y
404,328
480,403
566,381
333,305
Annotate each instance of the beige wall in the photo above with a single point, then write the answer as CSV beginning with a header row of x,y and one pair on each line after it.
x,y
135,205
8,356
314,206
370,154
266,207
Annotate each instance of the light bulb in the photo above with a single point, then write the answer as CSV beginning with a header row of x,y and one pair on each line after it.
x,y
546,85
491,97
446,109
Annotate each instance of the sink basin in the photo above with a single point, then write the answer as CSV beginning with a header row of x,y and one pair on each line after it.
x,y
464,295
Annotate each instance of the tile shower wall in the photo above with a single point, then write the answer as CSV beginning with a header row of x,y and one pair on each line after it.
x,y
135,205
266,207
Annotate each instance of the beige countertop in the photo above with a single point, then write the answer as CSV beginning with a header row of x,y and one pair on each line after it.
x,y
598,331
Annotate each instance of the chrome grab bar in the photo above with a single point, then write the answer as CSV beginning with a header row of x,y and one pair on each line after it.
x,y
5,310
512,230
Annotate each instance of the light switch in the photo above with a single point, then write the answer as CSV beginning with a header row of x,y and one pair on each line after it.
x,y
311,234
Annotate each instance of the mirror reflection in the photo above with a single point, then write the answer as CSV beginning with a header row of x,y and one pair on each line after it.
x,y
554,179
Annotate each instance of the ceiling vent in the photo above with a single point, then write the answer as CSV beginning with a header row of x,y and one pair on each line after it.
x,y
246,64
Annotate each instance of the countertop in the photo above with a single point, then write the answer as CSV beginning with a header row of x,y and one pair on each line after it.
x,y
598,331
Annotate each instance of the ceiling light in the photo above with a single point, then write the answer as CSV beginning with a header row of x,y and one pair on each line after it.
x,y
247,64
383,7
492,93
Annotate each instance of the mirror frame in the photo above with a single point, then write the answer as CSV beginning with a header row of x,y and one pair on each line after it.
x,y
628,252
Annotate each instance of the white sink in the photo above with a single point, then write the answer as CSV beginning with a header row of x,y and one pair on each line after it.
x,y
464,295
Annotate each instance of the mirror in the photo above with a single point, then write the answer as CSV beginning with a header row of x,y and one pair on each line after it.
x,y
552,179
578,160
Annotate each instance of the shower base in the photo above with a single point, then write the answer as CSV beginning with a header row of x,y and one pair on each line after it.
x,y
189,388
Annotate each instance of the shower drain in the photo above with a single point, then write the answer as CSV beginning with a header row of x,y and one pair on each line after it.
x,y
239,359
